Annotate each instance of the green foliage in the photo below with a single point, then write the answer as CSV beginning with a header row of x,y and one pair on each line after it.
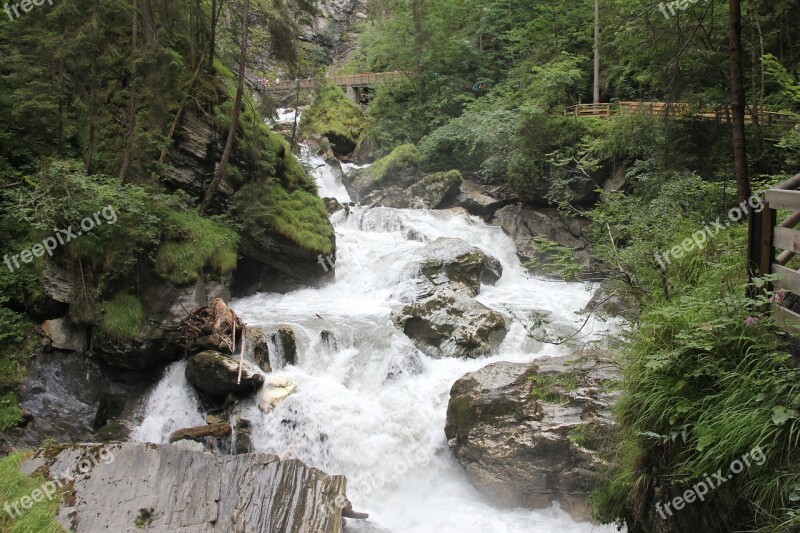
x,y
552,388
122,318
41,517
552,259
194,246
299,216
401,158
17,342
334,116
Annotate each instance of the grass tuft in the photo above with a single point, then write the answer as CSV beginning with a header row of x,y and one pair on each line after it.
x,y
122,318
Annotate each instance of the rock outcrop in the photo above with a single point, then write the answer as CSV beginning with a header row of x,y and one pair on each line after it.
x,y
453,263
443,319
525,225
527,435
479,200
217,375
451,324
127,487
276,348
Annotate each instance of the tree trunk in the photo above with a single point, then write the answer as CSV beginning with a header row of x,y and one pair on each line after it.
x,y
737,100
131,115
596,92
212,44
179,114
92,116
226,153
219,430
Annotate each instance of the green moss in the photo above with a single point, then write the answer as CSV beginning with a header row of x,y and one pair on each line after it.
x,y
40,518
194,246
441,179
334,116
122,317
299,215
401,158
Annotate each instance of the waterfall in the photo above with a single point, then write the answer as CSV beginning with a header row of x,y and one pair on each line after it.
x,y
368,404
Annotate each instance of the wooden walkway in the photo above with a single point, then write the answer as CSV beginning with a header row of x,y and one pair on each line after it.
x,y
344,81
766,235
680,111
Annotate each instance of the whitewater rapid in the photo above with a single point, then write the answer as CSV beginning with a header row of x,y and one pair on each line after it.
x,y
371,406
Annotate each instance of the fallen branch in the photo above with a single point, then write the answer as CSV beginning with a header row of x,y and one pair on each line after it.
x,y
221,429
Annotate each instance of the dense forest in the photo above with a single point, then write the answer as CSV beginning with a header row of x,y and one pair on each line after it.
x,y
151,114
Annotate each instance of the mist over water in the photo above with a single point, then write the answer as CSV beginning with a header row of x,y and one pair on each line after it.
x,y
368,404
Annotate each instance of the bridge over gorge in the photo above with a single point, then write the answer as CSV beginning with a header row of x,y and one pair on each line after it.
x,y
353,84
684,111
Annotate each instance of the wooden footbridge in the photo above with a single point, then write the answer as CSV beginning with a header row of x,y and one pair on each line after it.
x,y
685,111
353,84
767,235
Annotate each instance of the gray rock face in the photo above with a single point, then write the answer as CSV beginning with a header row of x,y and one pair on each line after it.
x,y
158,341
431,192
452,263
74,398
278,347
127,487
63,335
217,374
479,201
451,324
524,224
528,434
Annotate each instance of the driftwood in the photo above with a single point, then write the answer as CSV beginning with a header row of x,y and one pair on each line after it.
x,y
222,429
215,327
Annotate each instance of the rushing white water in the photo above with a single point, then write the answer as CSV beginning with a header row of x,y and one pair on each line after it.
x,y
368,404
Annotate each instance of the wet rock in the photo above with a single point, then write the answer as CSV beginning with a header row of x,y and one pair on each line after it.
x,y
187,491
430,192
479,201
62,334
332,205
452,263
527,435
258,343
217,374
285,345
274,392
451,324
329,340
609,302
77,399
243,439
404,364
524,225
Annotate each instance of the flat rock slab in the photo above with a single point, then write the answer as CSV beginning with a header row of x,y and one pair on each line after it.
x,y
146,487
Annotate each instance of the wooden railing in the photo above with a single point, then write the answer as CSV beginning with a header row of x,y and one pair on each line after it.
x,y
767,234
680,110
345,80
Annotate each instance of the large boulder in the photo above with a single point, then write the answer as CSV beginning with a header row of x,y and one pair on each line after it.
x,y
480,200
526,226
217,374
452,263
451,324
169,488
62,334
158,340
529,434
276,348
431,192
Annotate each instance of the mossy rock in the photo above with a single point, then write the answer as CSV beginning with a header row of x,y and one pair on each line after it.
x,y
334,116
